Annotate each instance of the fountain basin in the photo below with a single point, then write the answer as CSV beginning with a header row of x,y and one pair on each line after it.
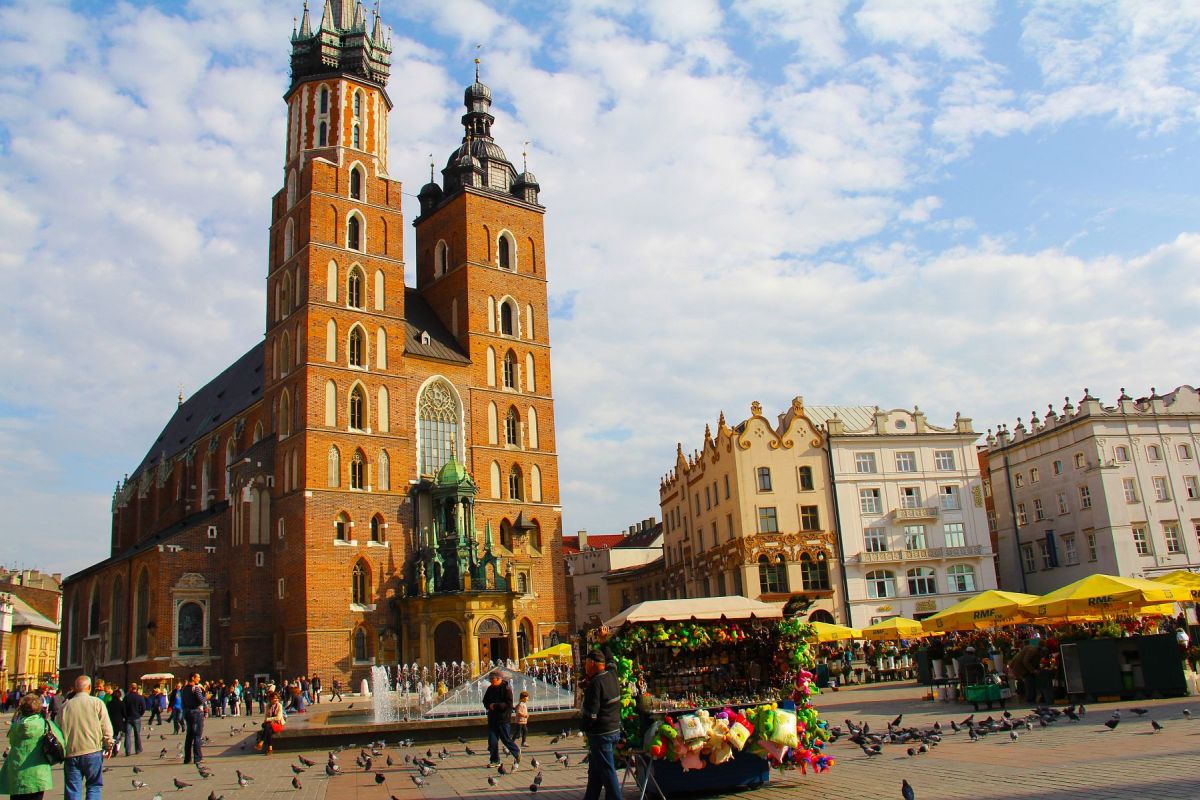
x,y
329,729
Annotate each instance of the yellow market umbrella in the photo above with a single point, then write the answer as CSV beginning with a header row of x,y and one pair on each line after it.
x,y
984,610
560,651
829,632
894,628
1103,595
1183,579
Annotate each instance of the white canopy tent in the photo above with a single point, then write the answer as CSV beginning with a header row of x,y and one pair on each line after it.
x,y
699,608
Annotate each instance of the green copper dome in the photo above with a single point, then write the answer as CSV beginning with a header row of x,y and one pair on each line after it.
x,y
452,474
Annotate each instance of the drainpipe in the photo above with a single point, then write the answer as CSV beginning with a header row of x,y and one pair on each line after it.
x,y
837,532
1012,510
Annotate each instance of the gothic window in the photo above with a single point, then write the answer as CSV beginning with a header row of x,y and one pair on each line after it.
x,y
535,484
361,650
358,409
258,432
512,428
384,471
379,290
141,613
505,251
494,482
331,341
814,572
515,487
116,624
506,536
283,424
331,404
291,189
377,534
535,536
438,419
324,103
358,105
230,453
360,589
510,370
531,429
506,318
357,347
439,258
358,471
189,630
356,183
335,468
356,137
322,135
341,527
354,233
289,239
381,350
354,286
530,372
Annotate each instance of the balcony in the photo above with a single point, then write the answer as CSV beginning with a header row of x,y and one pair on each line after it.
x,y
923,554
913,514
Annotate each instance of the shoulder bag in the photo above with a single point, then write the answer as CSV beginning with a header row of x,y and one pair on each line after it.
x,y
52,748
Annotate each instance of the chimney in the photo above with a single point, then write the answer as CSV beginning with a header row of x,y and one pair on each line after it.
x,y
632,530
582,540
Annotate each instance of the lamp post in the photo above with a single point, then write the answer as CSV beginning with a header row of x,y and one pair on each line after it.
x,y
6,618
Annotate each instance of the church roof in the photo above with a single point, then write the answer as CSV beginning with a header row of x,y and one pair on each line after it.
x,y
420,319
234,390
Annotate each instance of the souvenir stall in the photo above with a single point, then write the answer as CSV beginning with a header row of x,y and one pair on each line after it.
x,y
716,691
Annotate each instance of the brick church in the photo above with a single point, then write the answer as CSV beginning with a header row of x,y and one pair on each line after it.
x,y
375,481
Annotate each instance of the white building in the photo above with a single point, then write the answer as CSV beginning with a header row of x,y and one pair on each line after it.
x,y
589,565
1098,489
910,509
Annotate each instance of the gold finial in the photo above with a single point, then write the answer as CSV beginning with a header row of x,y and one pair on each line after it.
x,y
432,165
525,157
478,47
180,399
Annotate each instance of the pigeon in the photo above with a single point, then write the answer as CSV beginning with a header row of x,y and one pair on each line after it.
x,y
1071,715
296,770
137,770
418,780
896,722
139,784
1156,725
407,758
1140,711
906,790
973,735
502,769
296,783
243,778
332,769
968,720
954,726
1187,714
492,780
308,763
468,750
429,753
566,761
1012,735
912,751
379,777
554,740
350,706
213,796
180,784
389,761
584,760
1112,723
533,762
533,787
162,753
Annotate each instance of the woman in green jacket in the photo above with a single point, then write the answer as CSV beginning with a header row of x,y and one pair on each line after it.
x,y
26,772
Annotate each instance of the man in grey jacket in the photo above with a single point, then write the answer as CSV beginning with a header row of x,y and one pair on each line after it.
x,y
601,721
89,738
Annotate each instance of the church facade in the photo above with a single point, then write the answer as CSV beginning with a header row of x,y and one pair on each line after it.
x,y
376,481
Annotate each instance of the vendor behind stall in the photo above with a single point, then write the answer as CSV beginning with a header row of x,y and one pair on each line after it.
x,y
601,721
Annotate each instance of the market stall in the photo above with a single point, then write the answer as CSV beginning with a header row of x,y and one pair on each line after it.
x,y
715,692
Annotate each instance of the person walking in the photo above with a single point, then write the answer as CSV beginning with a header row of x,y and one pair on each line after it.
x,y
158,701
116,715
272,725
601,721
177,708
194,709
335,690
522,717
316,689
498,701
135,707
1025,666
87,737
26,774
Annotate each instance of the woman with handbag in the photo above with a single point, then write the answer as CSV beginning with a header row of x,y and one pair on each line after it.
x,y
272,725
26,773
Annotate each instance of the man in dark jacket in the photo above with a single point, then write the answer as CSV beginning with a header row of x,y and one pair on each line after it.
x,y
194,709
135,707
498,700
601,721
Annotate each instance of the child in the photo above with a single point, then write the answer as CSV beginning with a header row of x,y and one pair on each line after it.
x,y
522,711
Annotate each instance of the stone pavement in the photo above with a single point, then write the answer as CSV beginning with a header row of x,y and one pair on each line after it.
x,y
1068,760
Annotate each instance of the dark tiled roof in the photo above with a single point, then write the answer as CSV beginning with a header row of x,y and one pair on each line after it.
x,y
643,538
420,318
234,390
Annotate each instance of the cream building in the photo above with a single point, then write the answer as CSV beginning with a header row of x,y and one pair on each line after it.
x,y
588,570
750,514
1095,488
913,527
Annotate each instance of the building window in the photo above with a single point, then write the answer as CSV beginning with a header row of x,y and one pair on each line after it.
x,y
869,501
1160,489
876,540
356,184
1171,534
1027,562
1062,503
991,520
921,580
358,471
764,479
1019,480
1039,513
1044,552
1080,461
354,233
358,409
1034,475
360,588
141,614
356,137
810,518
707,498
726,487
510,370
322,135
1070,553
1091,543
1121,453
189,633
961,578
906,462
1190,486
362,651
515,489
716,495
512,428
914,537
1141,542
357,348
522,583
439,426
1085,497
864,462
806,479
1022,517
950,498
1058,467
324,101
383,471
1153,453
881,583
1129,486
593,596
943,459
767,520
955,535
772,575
335,468
910,497
354,288
814,573
1185,452
341,527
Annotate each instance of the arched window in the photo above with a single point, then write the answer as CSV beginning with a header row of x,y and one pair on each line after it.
x,y
535,534
1185,452
358,409
331,341
492,423
342,527
512,428
961,578
530,382
491,301
356,136
358,103
881,583
510,370
331,281
438,425
362,650
356,182
490,358
377,534
289,240
507,326
354,287
323,107
360,589
772,575
921,580
230,453
814,572
494,474
284,423
522,583
383,411
141,613
384,471
379,290
506,534
258,432
439,258
285,354
354,233
358,470
515,484
357,347
116,621
322,135
189,631
206,480
335,468
506,252
529,321
1153,453
531,429
331,404
380,349
535,484
291,189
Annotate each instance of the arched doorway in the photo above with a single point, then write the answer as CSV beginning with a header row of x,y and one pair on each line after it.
x,y
493,645
821,615
447,642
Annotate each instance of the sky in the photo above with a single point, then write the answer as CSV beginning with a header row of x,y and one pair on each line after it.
x,y
961,205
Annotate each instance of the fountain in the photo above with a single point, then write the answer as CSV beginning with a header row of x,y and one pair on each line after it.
x,y
385,699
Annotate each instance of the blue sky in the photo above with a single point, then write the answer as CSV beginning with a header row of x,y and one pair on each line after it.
x,y
967,206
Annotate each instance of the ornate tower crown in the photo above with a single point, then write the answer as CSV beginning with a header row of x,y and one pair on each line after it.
x,y
341,43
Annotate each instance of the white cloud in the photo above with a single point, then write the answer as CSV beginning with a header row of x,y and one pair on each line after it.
x,y
951,27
